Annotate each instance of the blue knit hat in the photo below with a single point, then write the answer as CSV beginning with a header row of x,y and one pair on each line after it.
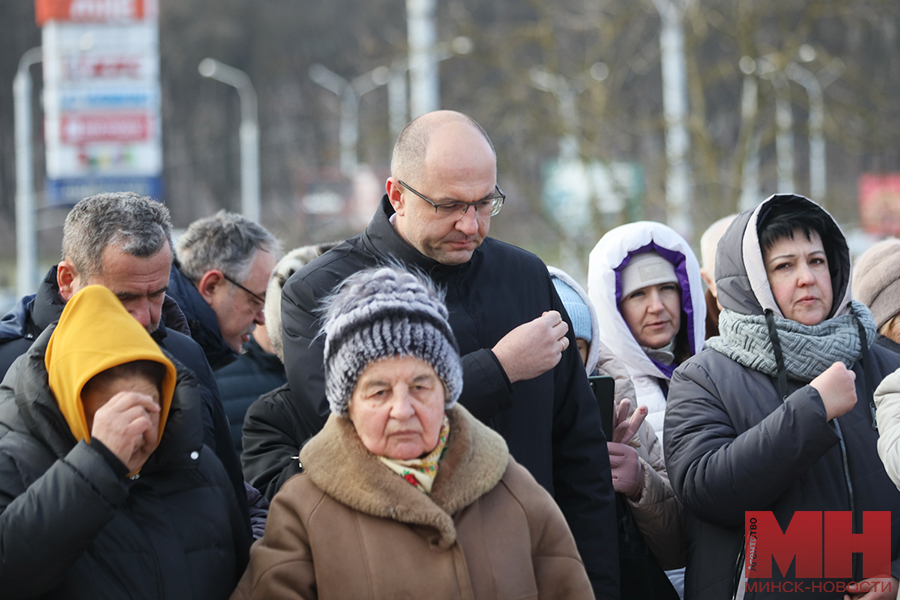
x,y
575,306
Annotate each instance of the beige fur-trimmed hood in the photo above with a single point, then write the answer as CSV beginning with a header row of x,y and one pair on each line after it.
x,y
474,462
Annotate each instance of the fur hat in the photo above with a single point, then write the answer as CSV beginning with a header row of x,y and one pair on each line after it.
x,y
876,280
383,313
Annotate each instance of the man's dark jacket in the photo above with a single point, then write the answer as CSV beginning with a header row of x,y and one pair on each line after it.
x,y
272,426
254,373
551,423
201,319
33,315
74,526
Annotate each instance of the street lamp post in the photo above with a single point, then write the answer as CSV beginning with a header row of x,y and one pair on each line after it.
x,y
817,165
424,77
249,132
349,92
26,234
750,192
784,122
814,84
675,109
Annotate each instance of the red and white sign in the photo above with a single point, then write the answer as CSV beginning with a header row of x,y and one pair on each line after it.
x,y
79,68
107,127
95,11
879,203
102,119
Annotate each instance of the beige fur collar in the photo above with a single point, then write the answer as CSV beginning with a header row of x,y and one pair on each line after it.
x,y
339,465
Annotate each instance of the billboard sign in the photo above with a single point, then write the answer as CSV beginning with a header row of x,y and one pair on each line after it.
x,y
102,121
879,204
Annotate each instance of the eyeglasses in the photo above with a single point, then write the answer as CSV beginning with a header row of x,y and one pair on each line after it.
x,y
257,297
487,207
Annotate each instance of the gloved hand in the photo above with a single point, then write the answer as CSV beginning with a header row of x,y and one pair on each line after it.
x,y
625,428
627,473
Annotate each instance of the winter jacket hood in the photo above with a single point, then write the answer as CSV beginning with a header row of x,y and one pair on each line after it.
x,y
741,278
607,261
96,333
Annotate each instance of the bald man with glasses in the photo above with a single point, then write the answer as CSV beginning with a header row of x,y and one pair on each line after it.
x,y
522,371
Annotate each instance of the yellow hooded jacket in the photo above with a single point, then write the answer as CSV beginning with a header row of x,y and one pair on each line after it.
x,y
96,333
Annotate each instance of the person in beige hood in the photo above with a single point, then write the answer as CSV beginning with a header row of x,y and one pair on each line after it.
x,y
405,494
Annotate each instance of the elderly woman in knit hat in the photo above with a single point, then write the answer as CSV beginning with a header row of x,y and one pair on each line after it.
x,y
404,494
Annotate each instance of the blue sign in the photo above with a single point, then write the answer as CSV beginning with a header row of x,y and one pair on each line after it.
x,y
69,191
88,99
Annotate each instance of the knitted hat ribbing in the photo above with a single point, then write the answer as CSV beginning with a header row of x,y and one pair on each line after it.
x,y
384,313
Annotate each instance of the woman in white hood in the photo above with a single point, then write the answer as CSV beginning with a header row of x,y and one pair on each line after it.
x,y
644,280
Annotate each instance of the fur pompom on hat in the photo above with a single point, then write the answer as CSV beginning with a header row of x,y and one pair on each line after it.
x,y
383,313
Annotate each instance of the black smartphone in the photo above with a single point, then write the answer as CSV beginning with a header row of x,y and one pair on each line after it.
x,y
604,388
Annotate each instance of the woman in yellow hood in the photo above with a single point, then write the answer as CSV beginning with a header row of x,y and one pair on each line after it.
x,y
110,379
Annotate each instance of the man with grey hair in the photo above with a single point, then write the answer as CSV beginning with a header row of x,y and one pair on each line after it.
x,y
522,373
219,281
122,241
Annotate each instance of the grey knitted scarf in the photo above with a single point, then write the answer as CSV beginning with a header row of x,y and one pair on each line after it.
x,y
808,349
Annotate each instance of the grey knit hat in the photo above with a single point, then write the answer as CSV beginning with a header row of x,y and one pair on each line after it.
x,y
384,313
876,280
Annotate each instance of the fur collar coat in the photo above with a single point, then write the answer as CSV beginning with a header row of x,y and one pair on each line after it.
x,y
348,527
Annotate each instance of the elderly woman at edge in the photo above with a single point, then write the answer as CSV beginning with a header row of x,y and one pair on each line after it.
x,y
776,414
405,494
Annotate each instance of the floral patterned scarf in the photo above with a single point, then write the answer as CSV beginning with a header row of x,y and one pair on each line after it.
x,y
420,472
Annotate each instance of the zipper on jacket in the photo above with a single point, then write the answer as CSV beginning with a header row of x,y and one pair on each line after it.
x,y
846,468
739,565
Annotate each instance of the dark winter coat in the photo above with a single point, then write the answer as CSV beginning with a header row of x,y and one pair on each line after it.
x,y
551,423
276,421
73,526
254,373
31,317
733,444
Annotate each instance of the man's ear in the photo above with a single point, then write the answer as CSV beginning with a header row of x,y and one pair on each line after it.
x,y
210,282
67,279
394,195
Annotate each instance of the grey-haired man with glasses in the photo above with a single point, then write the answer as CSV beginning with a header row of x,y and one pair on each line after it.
x,y
219,281
520,375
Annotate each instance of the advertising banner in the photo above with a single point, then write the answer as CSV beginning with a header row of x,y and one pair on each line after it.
x,y
879,203
102,123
